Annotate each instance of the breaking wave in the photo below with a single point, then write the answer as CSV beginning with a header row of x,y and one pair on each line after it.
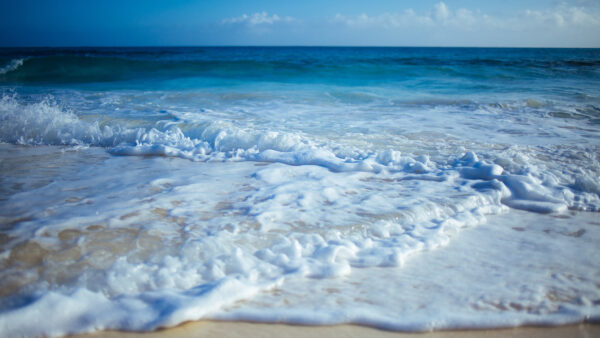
x,y
11,66
532,185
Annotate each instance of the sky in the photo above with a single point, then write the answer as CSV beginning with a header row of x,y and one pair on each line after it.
x,y
506,23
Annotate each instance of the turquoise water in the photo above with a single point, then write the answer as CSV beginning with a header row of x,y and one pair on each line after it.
x,y
443,71
144,187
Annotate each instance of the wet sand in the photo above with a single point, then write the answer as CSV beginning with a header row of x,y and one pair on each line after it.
x,y
245,329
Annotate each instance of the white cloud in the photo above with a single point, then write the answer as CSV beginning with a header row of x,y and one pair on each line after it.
x,y
564,25
442,16
563,16
569,24
466,17
439,15
441,12
262,18
389,20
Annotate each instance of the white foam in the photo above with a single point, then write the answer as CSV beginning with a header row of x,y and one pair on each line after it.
x,y
518,269
45,123
11,66
548,189
152,240
174,266
86,311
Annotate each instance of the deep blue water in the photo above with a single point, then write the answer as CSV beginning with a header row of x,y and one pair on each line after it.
x,y
436,69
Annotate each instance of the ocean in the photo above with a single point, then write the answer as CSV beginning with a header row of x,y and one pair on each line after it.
x,y
410,189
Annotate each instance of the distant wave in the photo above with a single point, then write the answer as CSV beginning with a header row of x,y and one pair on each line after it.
x,y
12,65
84,69
101,66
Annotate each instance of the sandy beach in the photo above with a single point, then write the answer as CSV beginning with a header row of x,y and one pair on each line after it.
x,y
244,329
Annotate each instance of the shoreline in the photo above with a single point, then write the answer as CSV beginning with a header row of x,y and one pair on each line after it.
x,y
234,329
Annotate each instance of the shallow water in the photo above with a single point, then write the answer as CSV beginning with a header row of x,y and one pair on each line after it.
x,y
408,189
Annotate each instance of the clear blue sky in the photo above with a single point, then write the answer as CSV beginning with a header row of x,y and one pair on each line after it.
x,y
570,23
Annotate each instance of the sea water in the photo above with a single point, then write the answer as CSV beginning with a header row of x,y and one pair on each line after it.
x,y
403,188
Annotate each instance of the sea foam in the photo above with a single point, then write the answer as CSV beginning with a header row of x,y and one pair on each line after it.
x,y
398,188
11,66
530,185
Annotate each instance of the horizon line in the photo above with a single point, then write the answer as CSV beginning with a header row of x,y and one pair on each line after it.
x,y
290,46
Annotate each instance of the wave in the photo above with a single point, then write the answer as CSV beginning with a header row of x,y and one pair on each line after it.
x,y
11,66
101,65
528,184
83,69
